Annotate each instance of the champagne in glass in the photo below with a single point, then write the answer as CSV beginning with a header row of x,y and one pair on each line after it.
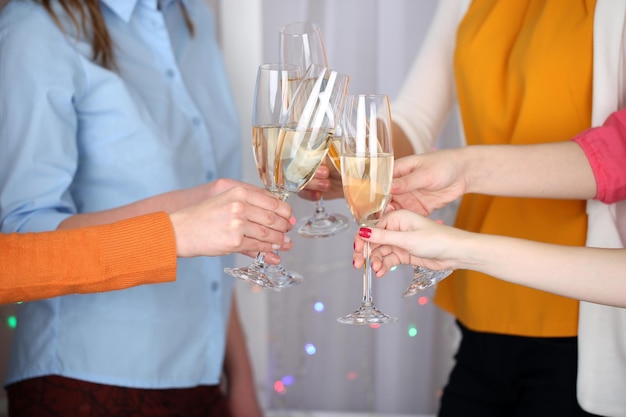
x,y
301,44
366,185
275,86
334,151
300,153
366,160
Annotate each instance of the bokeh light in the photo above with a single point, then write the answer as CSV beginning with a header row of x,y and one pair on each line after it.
x,y
12,322
309,348
318,306
412,331
287,380
351,376
279,387
423,300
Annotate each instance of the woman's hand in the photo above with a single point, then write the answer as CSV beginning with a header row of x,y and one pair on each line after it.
x,y
326,183
241,219
427,182
403,237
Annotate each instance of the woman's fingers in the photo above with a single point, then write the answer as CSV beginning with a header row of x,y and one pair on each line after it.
x,y
241,219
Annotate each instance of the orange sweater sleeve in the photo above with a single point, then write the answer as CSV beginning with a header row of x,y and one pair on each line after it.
x,y
131,252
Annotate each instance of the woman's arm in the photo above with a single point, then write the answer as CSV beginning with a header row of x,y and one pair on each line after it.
x,y
168,202
424,103
141,250
423,183
589,166
103,258
553,170
589,274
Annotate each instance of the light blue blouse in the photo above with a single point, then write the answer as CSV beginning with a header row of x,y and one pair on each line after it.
x,y
76,137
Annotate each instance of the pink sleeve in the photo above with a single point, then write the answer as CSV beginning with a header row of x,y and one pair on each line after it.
x,y
605,147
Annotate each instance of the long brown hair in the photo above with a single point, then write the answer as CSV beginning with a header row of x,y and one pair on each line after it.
x,y
85,15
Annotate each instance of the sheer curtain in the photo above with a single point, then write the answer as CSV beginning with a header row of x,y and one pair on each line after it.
x,y
303,358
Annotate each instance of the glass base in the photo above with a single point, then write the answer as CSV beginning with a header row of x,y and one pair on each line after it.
x,y
424,278
289,279
316,227
251,275
273,277
367,314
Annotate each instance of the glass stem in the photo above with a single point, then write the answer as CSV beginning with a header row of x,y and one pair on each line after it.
x,y
320,211
259,264
367,276
260,258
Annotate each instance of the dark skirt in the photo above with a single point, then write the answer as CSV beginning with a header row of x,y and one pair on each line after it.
x,y
55,396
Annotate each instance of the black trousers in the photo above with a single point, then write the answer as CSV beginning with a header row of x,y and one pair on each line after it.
x,y
512,376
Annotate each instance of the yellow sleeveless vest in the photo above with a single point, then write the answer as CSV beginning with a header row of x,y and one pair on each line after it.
x,y
524,75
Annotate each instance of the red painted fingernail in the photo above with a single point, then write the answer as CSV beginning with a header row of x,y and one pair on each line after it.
x,y
365,232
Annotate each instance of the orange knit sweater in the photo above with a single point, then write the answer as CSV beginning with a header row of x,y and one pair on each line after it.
x,y
132,252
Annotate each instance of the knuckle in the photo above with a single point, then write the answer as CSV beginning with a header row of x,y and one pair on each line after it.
x,y
221,183
237,208
239,192
264,232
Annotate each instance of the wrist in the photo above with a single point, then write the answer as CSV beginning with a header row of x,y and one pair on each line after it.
x,y
472,168
465,252
177,219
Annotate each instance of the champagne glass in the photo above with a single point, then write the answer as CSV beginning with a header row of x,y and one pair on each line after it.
x,y
301,44
424,278
275,86
308,127
366,172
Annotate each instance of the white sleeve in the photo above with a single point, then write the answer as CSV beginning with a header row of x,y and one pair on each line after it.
x,y
426,98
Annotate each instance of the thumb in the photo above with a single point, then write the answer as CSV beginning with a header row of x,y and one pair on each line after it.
x,y
406,183
400,185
